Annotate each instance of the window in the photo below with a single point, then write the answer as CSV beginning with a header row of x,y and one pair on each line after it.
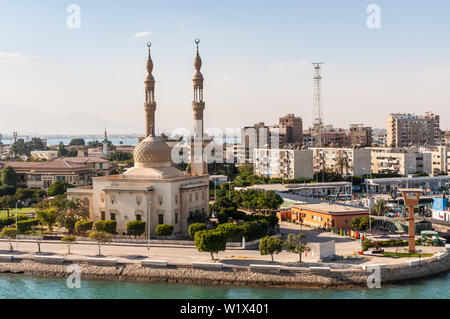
x,y
160,219
314,217
320,219
138,200
160,200
176,218
138,217
102,215
113,216
176,199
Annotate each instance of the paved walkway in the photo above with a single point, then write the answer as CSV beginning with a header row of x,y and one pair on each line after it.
x,y
133,253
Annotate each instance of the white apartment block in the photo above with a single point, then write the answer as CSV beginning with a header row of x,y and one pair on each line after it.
x,y
399,161
346,161
283,163
440,159
45,155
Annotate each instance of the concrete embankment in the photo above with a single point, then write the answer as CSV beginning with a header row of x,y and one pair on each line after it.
x,y
237,276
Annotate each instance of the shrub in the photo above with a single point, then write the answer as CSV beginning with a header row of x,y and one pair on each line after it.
x,y
269,246
255,229
26,225
195,228
136,227
107,226
230,230
164,230
82,226
6,221
211,241
58,188
222,218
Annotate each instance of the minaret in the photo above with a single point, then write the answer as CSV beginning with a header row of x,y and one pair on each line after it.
x,y
105,145
150,104
198,166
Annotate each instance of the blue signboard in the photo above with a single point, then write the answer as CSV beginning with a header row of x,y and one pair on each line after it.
x,y
440,203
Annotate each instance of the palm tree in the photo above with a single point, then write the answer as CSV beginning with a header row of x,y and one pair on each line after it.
x,y
379,208
342,163
72,210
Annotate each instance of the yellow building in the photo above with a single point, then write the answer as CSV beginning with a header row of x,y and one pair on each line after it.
x,y
326,215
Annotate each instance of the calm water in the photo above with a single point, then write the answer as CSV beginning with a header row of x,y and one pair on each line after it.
x,y
18,286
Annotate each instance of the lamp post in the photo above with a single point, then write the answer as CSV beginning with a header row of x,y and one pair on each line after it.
x,y
19,201
148,228
411,198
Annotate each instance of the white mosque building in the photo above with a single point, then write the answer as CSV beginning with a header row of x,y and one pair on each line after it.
x,y
153,190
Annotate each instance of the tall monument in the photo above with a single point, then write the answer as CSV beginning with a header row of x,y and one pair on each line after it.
x,y
150,104
198,165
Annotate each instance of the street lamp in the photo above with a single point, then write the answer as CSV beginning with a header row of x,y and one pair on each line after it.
x,y
411,198
19,201
148,228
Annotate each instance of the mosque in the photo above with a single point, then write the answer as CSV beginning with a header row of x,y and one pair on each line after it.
x,y
154,190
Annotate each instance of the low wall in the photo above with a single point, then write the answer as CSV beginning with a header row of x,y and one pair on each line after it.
x,y
236,276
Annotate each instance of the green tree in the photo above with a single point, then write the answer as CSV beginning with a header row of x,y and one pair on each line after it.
x,y
58,188
69,240
380,207
101,238
24,194
210,241
26,225
77,142
360,223
231,230
62,151
48,216
9,233
7,202
9,176
296,244
40,193
193,228
164,230
71,211
136,227
270,246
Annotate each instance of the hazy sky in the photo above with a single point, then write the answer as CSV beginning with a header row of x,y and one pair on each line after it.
x,y
256,55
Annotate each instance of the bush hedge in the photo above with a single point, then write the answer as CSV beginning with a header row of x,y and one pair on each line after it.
x,y
26,225
164,230
107,226
195,228
82,226
136,227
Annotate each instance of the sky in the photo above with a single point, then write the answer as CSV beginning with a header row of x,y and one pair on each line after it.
x,y
256,54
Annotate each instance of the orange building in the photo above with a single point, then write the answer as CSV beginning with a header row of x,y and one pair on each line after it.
x,y
326,215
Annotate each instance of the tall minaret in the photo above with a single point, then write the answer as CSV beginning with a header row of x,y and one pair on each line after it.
x,y
198,166
150,104
105,144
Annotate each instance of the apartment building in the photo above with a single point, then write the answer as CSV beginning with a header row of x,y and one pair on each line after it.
x,y
283,163
346,161
360,135
400,161
440,159
405,130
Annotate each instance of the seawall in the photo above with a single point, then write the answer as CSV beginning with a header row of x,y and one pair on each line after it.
x,y
236,276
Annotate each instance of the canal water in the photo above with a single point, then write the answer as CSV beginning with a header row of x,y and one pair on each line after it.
x,y
19,286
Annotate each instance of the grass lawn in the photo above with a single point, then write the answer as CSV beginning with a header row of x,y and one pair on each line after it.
x,y
12,212
403,255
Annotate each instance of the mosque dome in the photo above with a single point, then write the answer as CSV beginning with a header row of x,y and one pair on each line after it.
x,y
152,152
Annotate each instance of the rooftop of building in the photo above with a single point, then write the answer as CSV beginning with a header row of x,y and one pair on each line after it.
x,y
332,209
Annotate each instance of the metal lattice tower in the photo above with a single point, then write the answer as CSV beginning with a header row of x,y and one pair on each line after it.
x,y
317,99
